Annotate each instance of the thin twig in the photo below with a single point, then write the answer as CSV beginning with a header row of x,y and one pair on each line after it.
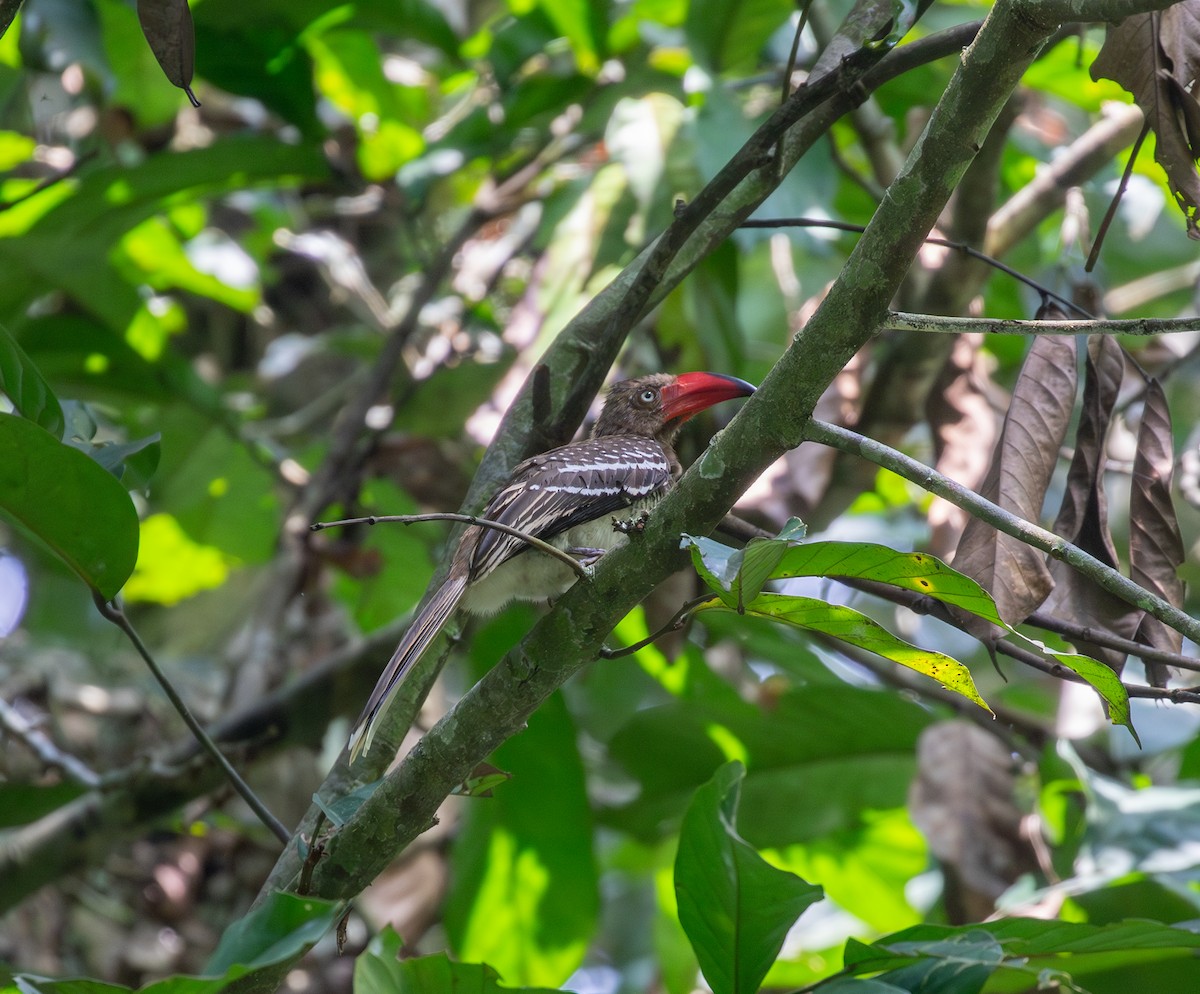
x,y
678,620
1086,633
791,62
112,612
1113,204
44,748
963,247
1180,695
470,519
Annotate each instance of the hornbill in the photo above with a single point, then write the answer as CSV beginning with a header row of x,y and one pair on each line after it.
x,y
565,497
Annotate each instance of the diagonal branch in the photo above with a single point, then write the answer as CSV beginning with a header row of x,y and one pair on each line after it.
x,y
1029,533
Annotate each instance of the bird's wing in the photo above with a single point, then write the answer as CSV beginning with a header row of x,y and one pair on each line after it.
x,y
568,486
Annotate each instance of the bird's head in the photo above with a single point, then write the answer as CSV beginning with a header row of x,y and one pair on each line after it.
x,y
657,405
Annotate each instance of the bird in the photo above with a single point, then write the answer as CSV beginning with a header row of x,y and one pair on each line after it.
x,y
566,497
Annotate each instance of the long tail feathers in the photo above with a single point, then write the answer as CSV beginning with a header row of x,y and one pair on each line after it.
x,y
416,640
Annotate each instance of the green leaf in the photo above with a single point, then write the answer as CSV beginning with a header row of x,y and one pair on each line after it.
x,y
1016,942
526,896
21,803
735,907
61,238
68,502
279,929
133,463
796,751
341,809
23,384
915,571
582,23
857,629
737,575
379,970
728,35
1106,683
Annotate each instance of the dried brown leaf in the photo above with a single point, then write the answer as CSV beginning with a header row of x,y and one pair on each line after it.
x,y
1155,544
1138,53
1179,34
965,427
1083,516
1034,429
962,800
167,25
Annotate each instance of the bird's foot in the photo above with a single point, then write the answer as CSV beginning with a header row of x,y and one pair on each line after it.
x,y
633,525
587,557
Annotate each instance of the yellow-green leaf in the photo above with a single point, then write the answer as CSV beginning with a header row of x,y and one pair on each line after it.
x,y
857,629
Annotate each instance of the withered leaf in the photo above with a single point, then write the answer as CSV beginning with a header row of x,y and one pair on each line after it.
x,y
1083,516
1179,35
964,427
1034,428
1141,53
167,25
963,802
1155,544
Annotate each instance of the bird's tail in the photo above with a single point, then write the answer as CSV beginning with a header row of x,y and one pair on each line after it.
x,y
416,640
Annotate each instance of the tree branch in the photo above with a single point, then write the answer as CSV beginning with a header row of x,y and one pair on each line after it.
x,y
112,612
936,324
1027,532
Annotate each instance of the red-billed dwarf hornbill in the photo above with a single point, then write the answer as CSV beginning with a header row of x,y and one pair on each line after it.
x,y
566,497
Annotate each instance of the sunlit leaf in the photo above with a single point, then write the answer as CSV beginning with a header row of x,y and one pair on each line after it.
x,y
735,907
857,629
916,571
526,897
1107,684
171,566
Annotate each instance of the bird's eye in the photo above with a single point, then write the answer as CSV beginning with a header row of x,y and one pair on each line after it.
x,y
647,397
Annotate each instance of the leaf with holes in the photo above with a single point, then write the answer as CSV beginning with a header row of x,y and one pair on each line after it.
x,y
916,571
857,629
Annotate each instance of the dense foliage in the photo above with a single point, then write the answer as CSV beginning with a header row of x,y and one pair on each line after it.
x,y
817,757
